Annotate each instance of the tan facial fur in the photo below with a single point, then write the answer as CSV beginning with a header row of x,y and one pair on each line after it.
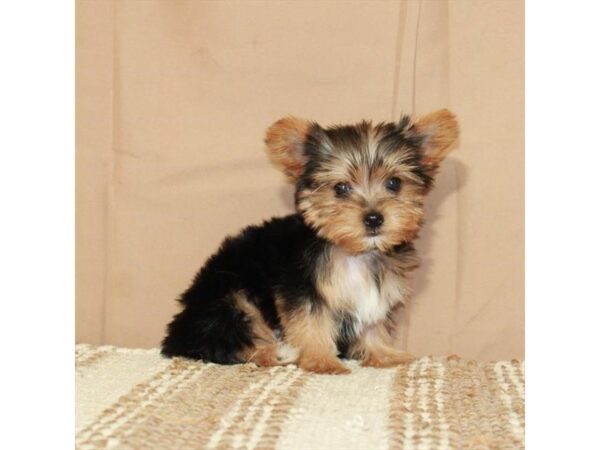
x,y
363,157
340,220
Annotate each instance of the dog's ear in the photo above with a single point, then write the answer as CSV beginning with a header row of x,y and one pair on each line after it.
x,y
438,133
285,141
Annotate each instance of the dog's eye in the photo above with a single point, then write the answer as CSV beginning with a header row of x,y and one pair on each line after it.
x,y
342,189
393,184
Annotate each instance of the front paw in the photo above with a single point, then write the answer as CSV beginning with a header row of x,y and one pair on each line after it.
x,y
323,365
387,359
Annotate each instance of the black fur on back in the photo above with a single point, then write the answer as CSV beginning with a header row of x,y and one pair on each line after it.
x,y
277,257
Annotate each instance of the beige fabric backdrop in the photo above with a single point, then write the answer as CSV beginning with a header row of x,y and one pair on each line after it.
x,y
173,98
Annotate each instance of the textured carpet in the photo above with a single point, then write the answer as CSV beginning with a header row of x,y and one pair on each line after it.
x,y
135,399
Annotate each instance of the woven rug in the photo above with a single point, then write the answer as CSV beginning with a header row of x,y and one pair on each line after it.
x,y
136,399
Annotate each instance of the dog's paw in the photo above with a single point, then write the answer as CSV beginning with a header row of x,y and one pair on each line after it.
x,y
387,359
332,366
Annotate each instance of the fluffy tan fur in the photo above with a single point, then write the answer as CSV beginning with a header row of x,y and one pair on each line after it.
x,y
375,347
284,141
341,222
313,332
264,349
441,131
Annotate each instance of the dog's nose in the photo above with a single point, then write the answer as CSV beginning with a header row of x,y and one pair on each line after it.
x,y
373,220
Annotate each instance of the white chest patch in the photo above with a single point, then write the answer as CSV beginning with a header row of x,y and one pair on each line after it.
x,y
363,287
362,292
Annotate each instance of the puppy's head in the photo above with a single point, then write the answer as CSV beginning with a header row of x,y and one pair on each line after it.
x,y
362,186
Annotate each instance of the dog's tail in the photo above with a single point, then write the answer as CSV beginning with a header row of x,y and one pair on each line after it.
x,y
214,331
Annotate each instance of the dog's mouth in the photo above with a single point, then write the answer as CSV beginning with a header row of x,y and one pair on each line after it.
x,y
373,242
373,233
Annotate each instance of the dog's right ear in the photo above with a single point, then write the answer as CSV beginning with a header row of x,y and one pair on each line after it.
x,y
285,141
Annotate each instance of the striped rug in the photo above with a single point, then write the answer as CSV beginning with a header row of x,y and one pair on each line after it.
x,y
135,399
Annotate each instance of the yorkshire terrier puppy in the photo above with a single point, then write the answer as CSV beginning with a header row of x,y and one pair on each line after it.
x,y
323,283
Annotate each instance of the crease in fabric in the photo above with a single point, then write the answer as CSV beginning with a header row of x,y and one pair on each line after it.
x,y
414,66
110,195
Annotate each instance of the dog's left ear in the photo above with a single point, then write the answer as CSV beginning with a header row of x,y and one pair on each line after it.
x,y
285,141
439,132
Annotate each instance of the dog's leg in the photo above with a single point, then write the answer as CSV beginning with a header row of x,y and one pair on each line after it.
x,y
312,331
264,349
375,348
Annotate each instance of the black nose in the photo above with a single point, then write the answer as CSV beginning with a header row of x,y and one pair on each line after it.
x,y
373,220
